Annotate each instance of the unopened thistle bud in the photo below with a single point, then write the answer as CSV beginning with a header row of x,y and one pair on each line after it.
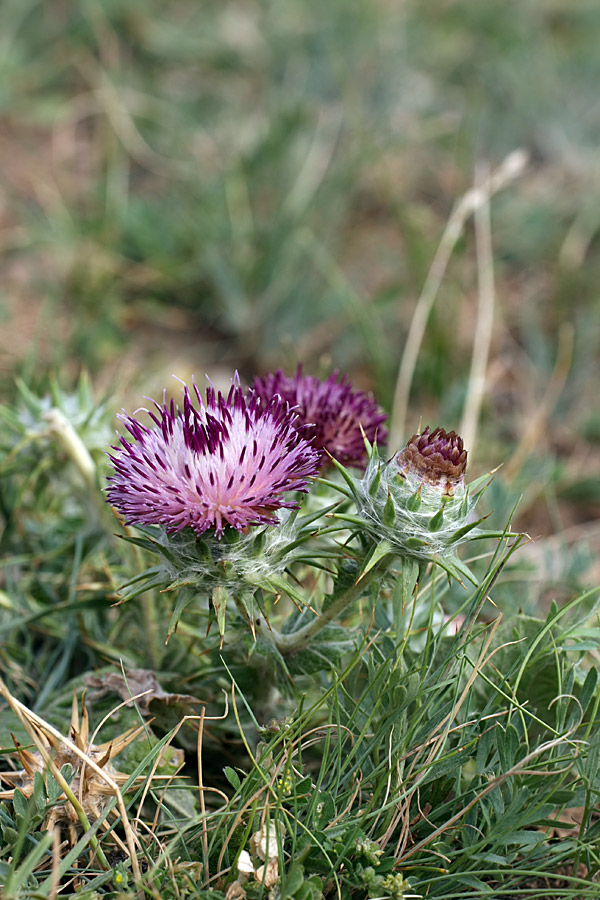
x,y
417,503
437,459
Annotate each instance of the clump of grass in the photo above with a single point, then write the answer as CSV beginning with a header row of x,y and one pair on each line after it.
x,y
419,744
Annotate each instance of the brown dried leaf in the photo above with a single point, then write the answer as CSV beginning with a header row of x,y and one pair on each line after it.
x,y
136,681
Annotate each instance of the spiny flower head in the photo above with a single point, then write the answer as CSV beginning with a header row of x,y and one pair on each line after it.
x,y
226,461
436,458
417,505
331,411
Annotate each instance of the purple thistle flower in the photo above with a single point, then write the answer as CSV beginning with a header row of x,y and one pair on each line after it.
x,y
226,462
330,411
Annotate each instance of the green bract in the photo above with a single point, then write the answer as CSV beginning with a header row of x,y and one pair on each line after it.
x,y
412,519
232,572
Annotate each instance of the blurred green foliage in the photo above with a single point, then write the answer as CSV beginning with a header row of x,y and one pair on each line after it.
x,y
271,179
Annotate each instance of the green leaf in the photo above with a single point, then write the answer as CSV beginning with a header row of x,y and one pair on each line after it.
x,y
486,747
456,568
350,481
465,529
145,581
54,789
232,777
379,551
497,800
20,802
508,746
280,585
324,651
409,578
413,504
325,810
474,882
374,486
523,838
389,511
10,835
39,792
220,596
443,767
588,689
293,881
183,600
436,522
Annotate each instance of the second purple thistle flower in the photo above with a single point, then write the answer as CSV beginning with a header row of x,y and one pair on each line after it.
x,y
331,411
226,461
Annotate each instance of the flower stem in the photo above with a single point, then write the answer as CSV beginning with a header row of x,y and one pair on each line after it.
x,y
298,640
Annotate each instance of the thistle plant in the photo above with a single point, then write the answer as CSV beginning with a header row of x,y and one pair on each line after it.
x,y
208,486
417,505
366,746
206,474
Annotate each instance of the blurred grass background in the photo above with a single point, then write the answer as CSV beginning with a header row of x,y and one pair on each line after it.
x,y
198,187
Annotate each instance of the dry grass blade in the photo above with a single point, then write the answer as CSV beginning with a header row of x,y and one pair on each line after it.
x,y
518,769
55,876
511,167
482,336
34,724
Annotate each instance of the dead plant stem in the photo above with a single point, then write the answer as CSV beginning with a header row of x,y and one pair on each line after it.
x,y
510,168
